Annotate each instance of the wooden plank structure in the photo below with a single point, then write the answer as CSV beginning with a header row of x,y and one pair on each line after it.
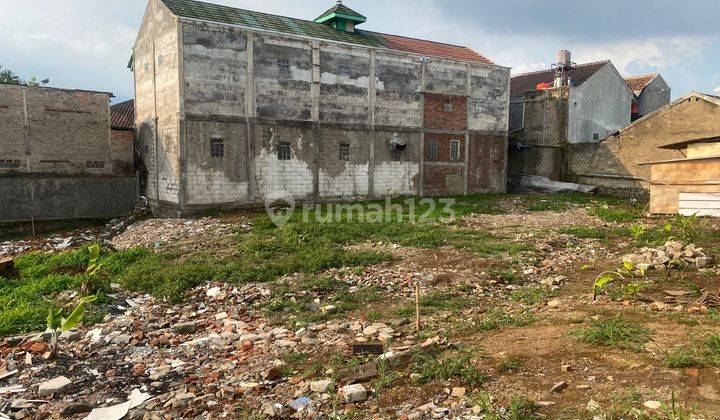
x,y
687,186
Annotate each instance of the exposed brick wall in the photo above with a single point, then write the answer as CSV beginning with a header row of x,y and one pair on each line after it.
x,y
444,180
122,144
68,131
486,165
437,116
444,142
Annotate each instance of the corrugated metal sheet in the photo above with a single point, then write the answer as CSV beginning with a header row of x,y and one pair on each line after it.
x,y
700,204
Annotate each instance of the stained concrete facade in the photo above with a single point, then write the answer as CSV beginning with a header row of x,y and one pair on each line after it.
x,y
599,107
312,118
57,158
615,164
654,96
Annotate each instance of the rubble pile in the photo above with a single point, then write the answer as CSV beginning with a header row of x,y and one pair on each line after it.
x,y
214,355
157,233
671,255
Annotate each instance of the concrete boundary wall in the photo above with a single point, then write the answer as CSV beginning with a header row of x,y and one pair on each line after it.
x,y
27,198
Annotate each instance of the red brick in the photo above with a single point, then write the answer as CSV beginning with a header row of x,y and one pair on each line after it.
x,y
438,118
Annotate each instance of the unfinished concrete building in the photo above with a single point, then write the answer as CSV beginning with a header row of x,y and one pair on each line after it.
x,y
573,104
234,107
57,158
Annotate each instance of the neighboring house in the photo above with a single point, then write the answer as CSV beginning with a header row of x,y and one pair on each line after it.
x,y
614,164
571,106
236,107
599,100
689,186
651,93
567,104
122,136
56,156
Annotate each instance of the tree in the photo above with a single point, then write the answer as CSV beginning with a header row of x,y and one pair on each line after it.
x,y
7,77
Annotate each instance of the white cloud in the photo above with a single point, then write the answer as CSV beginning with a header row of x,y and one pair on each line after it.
x,y
658,53
717,90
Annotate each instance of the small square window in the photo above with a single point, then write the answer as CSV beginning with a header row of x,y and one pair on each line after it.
x,y
217,147
284,151
344,70
448,107
283,64
454,150
344,152
433,149
596,136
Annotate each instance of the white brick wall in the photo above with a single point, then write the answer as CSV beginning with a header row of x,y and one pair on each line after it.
x,y
353,181
274,176
211,186
396,178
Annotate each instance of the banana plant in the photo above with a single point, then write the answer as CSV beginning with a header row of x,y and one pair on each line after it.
x,y
92,268
56,324
620,274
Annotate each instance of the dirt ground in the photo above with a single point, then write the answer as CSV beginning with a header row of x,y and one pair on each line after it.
x,y
533,356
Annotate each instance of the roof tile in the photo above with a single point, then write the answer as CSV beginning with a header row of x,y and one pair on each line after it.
x,y
193,9
638,83
528,81
122,115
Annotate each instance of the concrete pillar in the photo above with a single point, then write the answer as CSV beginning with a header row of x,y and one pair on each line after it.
x,y
250,111
468,95
372,95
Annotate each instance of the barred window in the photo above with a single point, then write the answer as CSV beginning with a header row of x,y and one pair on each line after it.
x,y
448,107
344,152
284,151
283,64
217,147
433,149
344,70
454,150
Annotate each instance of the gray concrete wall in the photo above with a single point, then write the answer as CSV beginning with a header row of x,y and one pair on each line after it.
x,y
615,162
600,106
517,114
655,96
256,90
157,103
544,133
40,198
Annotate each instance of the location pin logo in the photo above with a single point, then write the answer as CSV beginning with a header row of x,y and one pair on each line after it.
x,y
280,207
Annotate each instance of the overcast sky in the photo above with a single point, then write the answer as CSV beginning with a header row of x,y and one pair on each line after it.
x,y
86,44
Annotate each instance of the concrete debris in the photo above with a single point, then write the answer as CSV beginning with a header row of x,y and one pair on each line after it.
x,y
53,386
671,255
7,268
354,393
205,357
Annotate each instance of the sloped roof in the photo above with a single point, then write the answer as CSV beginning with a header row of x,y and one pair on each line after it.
x,y
685,143
528,81
709,98
193,9
638,83
122,115
341,9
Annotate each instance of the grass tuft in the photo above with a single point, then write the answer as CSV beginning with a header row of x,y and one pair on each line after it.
x,y
458,367
615,332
